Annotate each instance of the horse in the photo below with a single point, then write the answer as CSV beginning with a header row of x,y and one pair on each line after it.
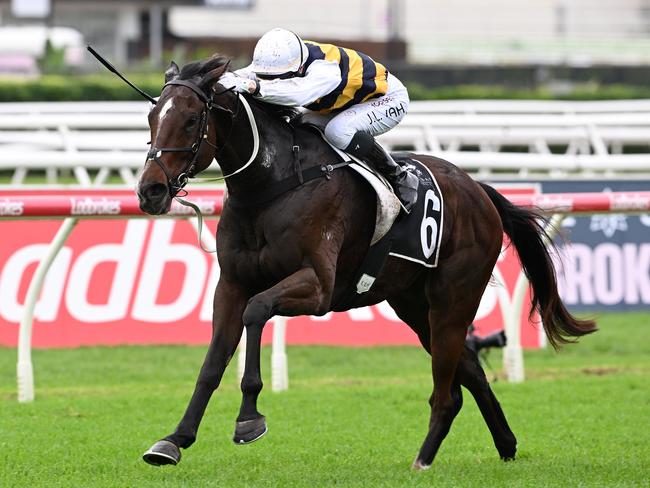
x,y
294,249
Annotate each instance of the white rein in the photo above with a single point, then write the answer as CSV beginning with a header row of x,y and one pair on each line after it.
x,y
256,147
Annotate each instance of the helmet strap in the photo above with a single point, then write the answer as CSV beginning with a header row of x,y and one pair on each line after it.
x,y
302,57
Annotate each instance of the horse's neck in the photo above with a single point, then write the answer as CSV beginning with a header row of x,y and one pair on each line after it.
x,y
274,160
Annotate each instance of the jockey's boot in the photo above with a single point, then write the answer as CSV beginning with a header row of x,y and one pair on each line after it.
x,y
404,183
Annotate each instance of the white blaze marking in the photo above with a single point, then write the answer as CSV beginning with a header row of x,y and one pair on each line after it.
x,y
165,109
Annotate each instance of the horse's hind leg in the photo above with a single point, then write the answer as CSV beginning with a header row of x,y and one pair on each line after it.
x,y
447,341
453,292
447,398
471,375
412,309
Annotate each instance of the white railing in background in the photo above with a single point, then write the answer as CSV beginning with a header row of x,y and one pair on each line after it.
x,y
560,107
94,141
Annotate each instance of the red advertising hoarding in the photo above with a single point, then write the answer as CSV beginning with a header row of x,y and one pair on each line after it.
x,y
146,281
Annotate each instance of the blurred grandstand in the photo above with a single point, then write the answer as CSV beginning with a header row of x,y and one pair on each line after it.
x,y
555,44
438,42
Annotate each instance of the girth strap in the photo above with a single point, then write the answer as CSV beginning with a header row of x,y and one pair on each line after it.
x,y
367,273
283,186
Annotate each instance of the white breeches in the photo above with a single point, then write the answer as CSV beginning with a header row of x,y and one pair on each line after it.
x,y
374,116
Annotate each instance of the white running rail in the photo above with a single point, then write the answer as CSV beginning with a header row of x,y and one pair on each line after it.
x,y
90,142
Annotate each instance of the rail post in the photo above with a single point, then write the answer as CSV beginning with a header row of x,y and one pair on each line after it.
x,y
279,368
513,356
24,368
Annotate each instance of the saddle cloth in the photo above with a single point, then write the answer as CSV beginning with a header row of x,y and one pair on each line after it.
x,y
414,236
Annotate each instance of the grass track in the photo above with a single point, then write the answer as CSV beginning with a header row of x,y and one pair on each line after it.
x,y
352,417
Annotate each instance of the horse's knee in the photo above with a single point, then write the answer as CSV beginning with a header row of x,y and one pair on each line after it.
x,y
323,304
209,380
257,311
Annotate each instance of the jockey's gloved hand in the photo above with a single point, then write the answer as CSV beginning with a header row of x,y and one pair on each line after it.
x,y
239,84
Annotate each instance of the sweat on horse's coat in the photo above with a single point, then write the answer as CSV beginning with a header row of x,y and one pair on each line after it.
x,y
274,260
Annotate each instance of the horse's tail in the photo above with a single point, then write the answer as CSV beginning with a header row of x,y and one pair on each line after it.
x,y
525,231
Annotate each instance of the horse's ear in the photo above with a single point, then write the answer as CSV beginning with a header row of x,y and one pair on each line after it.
x,y
171,72
212,76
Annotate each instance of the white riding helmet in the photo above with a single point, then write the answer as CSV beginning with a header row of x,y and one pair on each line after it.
x,y
278,52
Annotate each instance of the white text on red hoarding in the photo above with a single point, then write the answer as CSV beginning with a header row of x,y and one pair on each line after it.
x,y
94,206
11,208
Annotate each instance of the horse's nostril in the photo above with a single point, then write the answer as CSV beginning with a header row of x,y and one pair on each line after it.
x,y
154,198
155,191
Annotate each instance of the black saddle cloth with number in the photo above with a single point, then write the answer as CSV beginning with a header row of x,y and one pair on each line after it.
x,y
414,236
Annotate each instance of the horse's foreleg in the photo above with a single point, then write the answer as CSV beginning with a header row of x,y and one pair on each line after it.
x,y
229,302
301,293
471,376
251,425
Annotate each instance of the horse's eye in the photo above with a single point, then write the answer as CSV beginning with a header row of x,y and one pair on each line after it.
x,y
190,123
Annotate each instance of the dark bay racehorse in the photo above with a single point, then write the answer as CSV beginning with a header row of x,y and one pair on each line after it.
x,y
296,251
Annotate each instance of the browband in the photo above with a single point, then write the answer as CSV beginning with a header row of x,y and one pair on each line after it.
x,y
192,86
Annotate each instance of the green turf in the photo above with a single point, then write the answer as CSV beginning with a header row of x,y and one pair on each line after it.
x,y
352,417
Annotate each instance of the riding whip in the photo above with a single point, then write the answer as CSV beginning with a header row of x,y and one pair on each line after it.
x,y
113,70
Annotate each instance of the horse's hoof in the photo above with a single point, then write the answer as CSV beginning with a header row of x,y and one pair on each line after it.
x,y
249,431
418,465
161,453
507,453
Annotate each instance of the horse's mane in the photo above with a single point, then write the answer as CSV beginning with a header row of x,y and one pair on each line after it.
x,y
198,69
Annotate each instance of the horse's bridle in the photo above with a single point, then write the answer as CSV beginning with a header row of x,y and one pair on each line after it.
x,y
175,185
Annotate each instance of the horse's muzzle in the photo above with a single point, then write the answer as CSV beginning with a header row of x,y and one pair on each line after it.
x,y
154,198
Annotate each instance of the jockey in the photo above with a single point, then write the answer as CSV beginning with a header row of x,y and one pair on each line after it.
x,y
346,93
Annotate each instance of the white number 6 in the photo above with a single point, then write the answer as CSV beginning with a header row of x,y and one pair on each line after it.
x,y
427,237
